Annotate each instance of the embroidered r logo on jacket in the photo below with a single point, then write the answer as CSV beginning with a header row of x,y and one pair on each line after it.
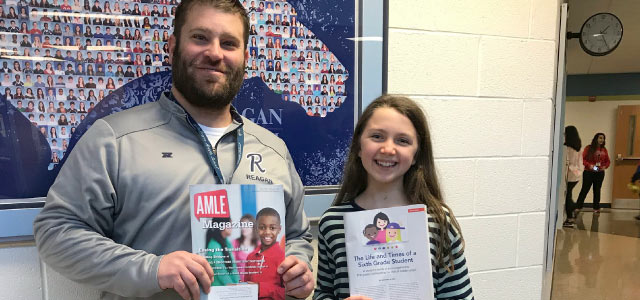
x,y
256,159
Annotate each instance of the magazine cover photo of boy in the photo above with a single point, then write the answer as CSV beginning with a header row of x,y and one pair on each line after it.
x,y
263,262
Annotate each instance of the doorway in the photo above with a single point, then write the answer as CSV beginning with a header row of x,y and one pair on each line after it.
x,y
596,257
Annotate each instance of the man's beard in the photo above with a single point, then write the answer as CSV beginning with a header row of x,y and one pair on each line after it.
x,y
204,97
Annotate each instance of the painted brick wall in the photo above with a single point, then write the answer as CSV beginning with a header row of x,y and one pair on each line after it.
x,y
484,71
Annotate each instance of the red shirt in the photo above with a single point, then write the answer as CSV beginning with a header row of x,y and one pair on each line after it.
x,y
599,156
270,283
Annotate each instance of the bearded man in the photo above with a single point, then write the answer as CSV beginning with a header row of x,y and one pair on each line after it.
x,y
117,216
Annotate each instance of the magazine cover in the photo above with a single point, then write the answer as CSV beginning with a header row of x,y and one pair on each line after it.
x,y
240,230
388,253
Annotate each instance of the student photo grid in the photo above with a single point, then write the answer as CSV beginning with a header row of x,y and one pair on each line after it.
x,y
59,58
291,60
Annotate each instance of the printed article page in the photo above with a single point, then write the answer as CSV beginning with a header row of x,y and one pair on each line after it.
x,y
388,253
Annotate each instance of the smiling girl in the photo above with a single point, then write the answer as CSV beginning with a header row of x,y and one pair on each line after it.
x,y
391,163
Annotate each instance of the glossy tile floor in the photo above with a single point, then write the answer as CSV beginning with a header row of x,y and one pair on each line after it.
x,y
599,259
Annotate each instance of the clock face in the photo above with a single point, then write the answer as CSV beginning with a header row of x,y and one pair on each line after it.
x,y
601,34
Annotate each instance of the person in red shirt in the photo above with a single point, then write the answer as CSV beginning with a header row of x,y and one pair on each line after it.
x,y
138,48
35,29
65,6
595,159
262,263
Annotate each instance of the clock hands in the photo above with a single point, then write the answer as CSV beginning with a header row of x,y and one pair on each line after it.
x,y
601,35
605,42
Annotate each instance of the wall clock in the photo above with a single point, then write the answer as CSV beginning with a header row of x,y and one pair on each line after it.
x,y
600,34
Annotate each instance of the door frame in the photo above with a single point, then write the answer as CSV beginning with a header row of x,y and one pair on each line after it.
x,y
556,188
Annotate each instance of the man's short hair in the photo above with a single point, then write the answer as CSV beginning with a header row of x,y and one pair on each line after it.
x,y
227,6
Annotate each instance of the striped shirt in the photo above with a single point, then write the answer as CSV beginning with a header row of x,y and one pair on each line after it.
x,y
333,277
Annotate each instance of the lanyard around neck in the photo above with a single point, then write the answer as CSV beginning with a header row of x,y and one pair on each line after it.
x,y
211,151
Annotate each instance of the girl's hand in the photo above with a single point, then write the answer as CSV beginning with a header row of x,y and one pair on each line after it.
x,y
358,297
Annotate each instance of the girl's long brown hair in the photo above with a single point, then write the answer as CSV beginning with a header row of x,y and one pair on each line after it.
x,y
594,145
420,181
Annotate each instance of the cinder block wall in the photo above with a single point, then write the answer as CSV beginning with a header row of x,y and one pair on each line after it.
x,y
484,71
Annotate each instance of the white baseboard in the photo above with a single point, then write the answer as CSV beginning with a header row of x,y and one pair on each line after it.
x,y
626,203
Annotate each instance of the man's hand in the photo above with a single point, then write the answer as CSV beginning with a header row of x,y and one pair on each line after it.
x,y
181,271
298,279
358,297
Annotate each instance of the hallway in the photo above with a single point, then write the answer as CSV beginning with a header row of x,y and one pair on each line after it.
x,y
599,259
